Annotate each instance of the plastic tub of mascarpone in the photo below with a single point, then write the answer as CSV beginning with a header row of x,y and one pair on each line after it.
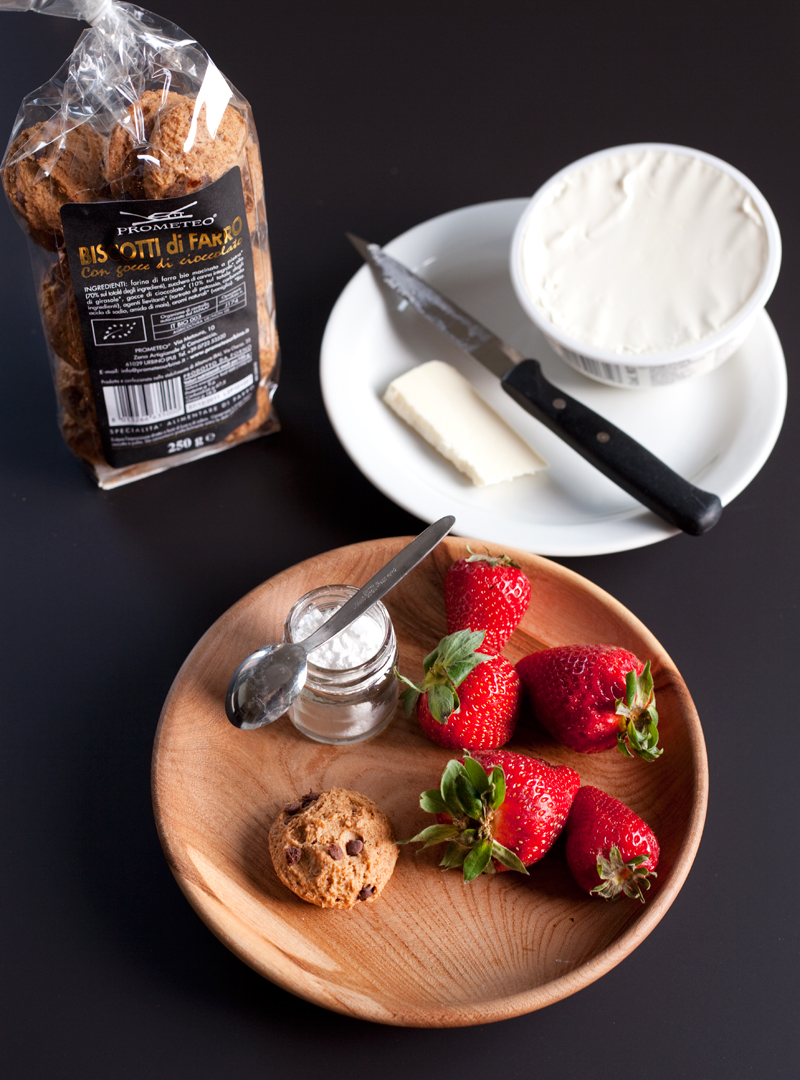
x,y
646,264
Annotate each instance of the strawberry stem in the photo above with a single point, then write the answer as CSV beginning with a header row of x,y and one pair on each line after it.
x,y
618,877
445,669
638,731
469,797
492,560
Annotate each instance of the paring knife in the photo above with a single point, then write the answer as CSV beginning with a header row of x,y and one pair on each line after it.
x,y
609,449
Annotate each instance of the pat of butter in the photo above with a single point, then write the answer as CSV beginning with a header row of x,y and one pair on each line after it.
x,y
442,406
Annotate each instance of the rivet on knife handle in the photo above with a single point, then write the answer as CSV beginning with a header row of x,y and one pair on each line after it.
x,y
615,454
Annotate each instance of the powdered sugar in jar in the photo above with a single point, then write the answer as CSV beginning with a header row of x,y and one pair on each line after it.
x,y
351,691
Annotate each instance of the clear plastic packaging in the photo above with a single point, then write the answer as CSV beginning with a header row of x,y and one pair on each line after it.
x,y
136,174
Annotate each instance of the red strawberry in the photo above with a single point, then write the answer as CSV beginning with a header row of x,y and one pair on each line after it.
x,y
610,850
591,697
497,810
486,592
467,700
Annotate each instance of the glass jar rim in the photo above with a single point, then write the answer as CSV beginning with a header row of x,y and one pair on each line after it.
x,y
343,678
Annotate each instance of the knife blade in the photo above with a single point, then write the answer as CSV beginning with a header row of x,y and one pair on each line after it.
x,y
613,452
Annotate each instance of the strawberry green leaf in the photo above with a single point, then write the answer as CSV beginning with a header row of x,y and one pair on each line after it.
x,y
433,834
641,741
458,671
477,860
407,682
637,860
442,702
477,774
430,660
507,857
497,787
473,639
445,668
448,789
454,856
454,649
639,694
409,698
432,802
459,646
468,796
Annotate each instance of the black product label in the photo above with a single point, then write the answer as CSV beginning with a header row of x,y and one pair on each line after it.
x,y
167,302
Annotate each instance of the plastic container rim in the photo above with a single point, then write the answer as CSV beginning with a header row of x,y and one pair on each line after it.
x,y
687,352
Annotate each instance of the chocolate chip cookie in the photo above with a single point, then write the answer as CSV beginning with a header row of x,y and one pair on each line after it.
x,y
190,149
334,849
128,142
64,169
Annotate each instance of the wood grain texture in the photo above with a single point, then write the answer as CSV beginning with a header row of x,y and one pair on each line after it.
x,y
432,952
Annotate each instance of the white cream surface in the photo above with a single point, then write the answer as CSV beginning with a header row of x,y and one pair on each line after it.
x,y
350,648
643,252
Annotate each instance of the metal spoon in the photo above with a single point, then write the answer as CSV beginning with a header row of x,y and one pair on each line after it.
x,y
268,681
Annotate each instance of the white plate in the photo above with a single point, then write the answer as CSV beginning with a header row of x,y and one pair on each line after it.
x,y
717,430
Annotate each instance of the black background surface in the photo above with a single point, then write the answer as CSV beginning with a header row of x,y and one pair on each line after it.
x,y
374,117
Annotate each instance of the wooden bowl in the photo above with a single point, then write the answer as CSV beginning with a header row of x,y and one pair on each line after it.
x,y
432,952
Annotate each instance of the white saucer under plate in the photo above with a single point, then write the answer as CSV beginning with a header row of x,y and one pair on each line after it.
x,y
717,430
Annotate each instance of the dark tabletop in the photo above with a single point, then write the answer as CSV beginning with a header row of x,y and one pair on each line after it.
x,y
374,117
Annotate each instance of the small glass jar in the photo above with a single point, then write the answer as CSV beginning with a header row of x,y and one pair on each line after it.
x,y
344,704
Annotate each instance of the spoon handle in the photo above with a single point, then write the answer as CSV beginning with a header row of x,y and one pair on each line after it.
x,y
377,586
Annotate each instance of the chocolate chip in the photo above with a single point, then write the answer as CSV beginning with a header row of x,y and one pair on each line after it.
x,y
312,796
335,851
292,807
354,847
366,892
293,855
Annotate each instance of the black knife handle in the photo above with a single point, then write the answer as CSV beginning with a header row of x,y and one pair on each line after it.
x,y
615,454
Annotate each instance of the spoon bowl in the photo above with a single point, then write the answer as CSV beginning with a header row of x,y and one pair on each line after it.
x,y
265,684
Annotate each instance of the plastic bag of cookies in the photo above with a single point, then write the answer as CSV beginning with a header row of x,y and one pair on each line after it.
x,y
136,174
